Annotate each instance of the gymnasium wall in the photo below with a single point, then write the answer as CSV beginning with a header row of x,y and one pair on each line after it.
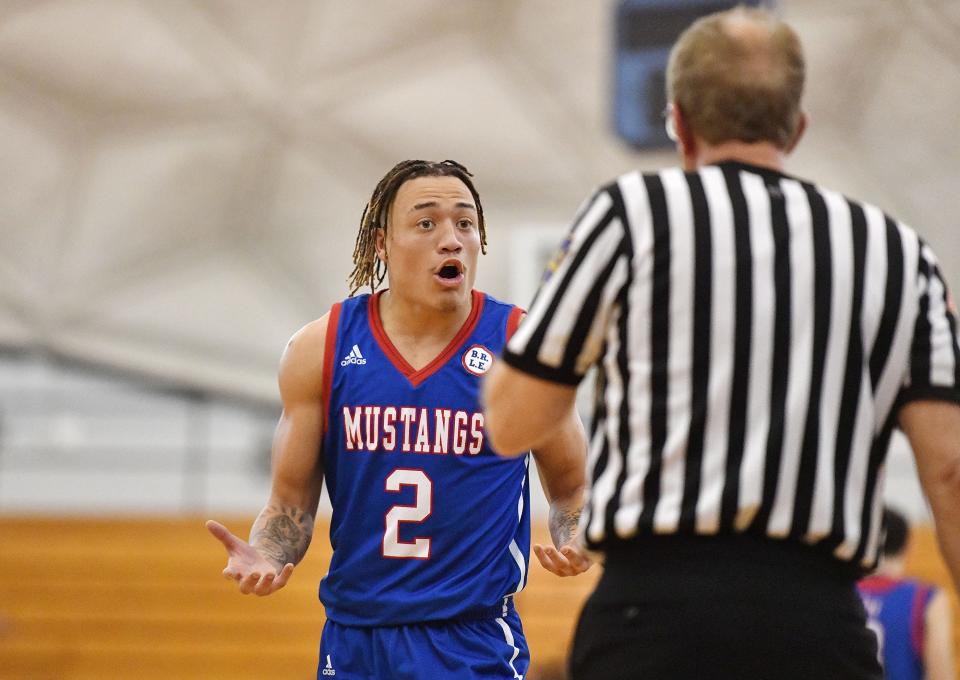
x,y
113,599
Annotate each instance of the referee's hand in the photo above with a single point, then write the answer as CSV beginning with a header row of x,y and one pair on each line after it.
x,y
569,560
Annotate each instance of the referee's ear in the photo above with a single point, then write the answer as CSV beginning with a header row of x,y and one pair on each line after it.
x,y
801,128
686,138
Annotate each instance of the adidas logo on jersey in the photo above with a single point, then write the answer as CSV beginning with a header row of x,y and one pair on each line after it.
x,y
353,358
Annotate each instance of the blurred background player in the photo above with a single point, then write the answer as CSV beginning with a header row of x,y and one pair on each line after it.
x,y
430,529
912,620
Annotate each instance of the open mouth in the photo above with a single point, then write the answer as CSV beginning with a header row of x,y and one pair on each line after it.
x,y
450,272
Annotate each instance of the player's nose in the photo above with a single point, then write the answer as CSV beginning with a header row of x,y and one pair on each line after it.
x,y
448,237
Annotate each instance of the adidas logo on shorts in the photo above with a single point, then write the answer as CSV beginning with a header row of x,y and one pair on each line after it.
x,y
328,669
353,358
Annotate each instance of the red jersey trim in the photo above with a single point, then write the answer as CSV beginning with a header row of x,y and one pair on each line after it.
x,y
877,585
416,377
918,616
329,354
513,321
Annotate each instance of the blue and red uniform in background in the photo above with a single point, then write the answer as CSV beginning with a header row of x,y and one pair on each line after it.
x,y
896,611
430,528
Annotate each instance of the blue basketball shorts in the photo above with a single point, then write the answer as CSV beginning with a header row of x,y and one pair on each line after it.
x,y
486,649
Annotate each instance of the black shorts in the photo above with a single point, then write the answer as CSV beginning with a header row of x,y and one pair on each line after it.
x,y
731,608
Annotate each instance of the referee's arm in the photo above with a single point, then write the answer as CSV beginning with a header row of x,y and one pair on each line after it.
x,y
930,411
532,390
523,412
933,428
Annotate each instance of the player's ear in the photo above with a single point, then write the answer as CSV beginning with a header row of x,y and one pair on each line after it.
x,y
380,243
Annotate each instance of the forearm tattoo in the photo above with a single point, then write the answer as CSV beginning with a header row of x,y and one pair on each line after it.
x,y
282,534
563,525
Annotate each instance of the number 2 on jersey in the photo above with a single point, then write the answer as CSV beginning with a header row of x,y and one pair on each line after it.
x,y
419,548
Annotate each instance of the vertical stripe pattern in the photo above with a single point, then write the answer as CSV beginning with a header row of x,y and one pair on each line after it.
x,y
755,336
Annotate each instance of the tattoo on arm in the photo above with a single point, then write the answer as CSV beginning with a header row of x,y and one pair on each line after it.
x,y
563,525
282,534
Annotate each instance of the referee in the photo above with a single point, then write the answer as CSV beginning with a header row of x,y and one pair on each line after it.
x,y
758,337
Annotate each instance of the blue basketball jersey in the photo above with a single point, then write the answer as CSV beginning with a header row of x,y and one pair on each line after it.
x,y
896,611
428,522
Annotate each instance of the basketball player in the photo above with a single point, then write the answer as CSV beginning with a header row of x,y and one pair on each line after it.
x,y
912,620
430,528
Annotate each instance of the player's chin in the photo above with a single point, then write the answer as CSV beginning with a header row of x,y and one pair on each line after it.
x,y
450,283
449,296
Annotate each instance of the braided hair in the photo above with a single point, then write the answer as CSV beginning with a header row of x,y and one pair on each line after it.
x,y
368,269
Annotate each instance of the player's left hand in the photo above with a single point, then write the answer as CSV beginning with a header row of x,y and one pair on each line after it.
x,y
567,561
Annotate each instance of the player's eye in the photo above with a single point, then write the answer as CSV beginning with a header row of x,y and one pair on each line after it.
x,y
465,223
425,223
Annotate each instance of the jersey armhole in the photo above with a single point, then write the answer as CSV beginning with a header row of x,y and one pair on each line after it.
x,y
329,353
513,321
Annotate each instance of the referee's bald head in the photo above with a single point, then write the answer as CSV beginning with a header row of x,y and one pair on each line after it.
x,y
739,75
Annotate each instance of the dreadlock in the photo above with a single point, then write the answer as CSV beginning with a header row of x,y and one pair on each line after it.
x,y
368,269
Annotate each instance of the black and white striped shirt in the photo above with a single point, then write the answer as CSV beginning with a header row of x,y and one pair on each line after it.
x,y
755,335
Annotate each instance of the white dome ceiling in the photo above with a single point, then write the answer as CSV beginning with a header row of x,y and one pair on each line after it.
x,y
182,179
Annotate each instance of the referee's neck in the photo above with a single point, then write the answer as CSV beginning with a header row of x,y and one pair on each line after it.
x,y
761,154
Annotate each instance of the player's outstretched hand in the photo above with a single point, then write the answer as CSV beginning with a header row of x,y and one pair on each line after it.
x,y
567,561
253,572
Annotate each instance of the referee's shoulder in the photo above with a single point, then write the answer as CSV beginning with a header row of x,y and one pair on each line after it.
x,y
629,182
867,207
637,178
633,177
